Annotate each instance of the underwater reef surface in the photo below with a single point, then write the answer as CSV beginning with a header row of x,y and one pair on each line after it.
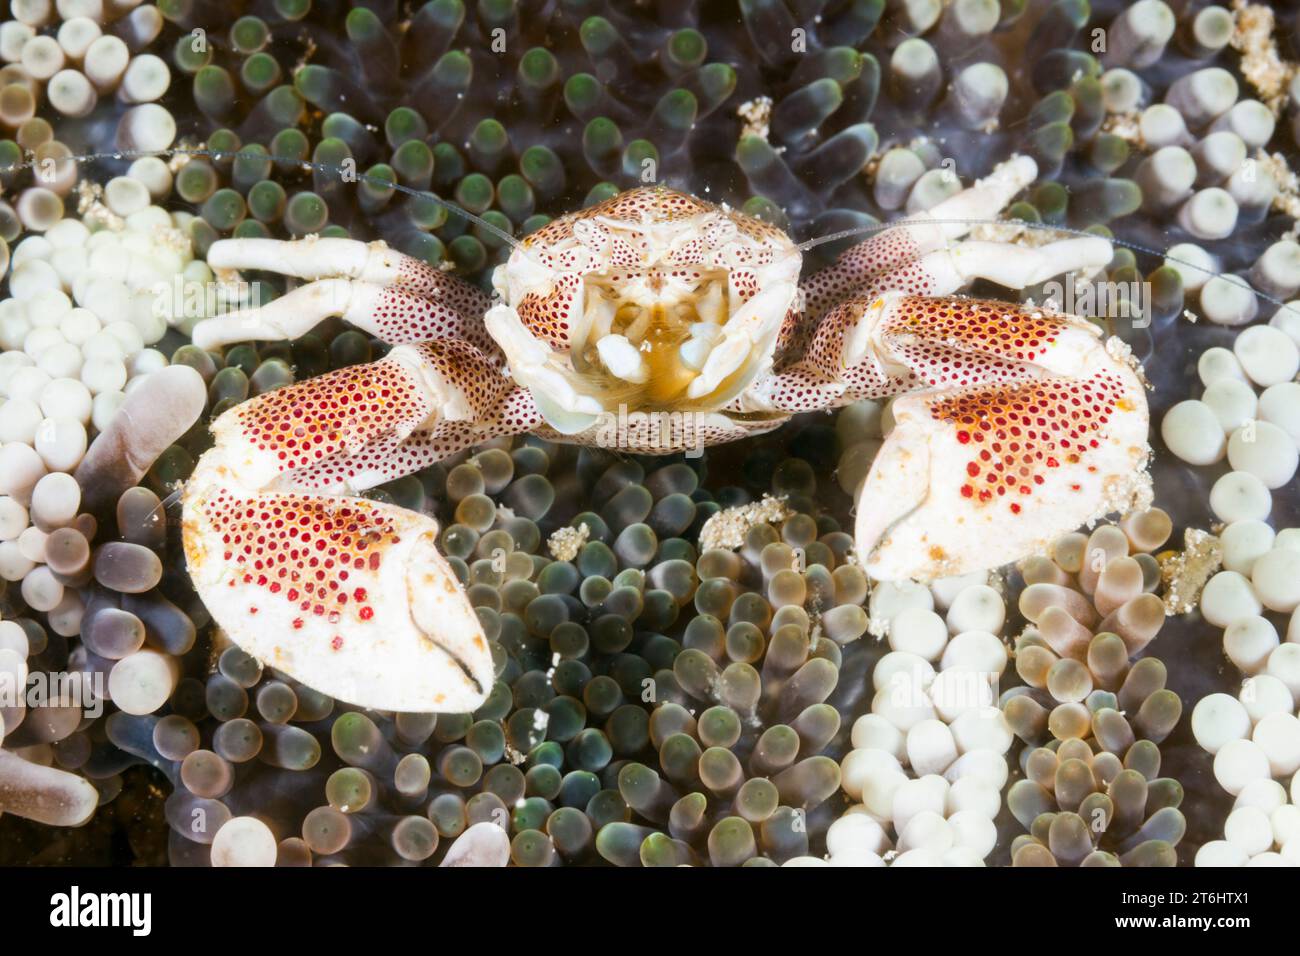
x,y
1169,127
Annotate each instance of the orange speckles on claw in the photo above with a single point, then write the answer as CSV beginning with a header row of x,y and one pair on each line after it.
x,y
1017,431
954,342
378,421
927,342
984,323
302,550
313,420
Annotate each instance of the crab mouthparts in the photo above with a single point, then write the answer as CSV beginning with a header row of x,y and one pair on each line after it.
x,y
649,334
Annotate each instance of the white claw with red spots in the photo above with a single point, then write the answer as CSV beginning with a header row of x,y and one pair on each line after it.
x,y
348,596
1019,425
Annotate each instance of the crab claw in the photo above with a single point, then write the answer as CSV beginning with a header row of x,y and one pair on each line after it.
x,y
348,596
1031,428
345,595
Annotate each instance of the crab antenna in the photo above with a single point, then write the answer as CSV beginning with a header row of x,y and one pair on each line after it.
x,y
166,504
514,243
1043,227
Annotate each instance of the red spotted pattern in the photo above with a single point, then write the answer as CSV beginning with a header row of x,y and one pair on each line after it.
x,y
421,279
314,553
744,283
931,341
646,204
1019,434
375,422
820,341
611,238
980,326
615,249
550,317
855,267
402,318
367,424
953,342
311,421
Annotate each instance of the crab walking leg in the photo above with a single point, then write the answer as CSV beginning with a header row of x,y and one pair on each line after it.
x,y
1027,425
835,366
838,343
349,596
1014,267
389,295
372,262
389,314
894,248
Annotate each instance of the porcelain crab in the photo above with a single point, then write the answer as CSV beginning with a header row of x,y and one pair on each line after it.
x,y
655,322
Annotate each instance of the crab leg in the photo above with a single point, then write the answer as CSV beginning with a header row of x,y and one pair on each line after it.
x,y
344,594
1016,267
832,370
389,295
1020,425
891,249
374,262
838,344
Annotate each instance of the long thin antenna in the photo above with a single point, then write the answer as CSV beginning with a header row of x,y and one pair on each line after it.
x,y
514,243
